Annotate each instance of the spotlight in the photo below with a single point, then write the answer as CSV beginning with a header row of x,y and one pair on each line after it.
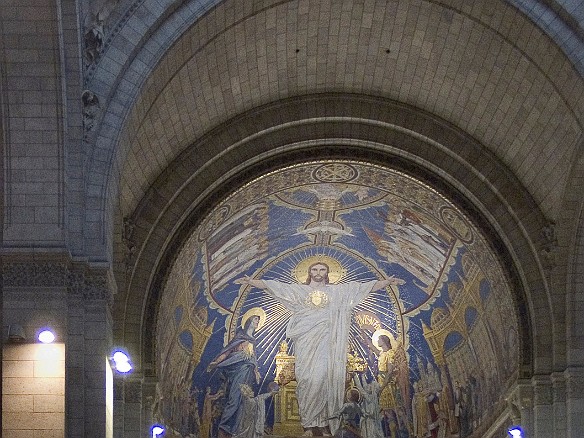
x,y
120,357
157,430
123,367
516,432
121,362
46,336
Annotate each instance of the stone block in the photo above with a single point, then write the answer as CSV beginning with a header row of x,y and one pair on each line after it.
x,y
17,403
17,368
7,433
49,369
48,403
56,433
19,352
34,421
33,386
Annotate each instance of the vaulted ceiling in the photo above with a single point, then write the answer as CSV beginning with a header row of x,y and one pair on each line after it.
x,y
482,99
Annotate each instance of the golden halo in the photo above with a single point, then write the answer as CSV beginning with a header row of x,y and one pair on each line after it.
x,y
254,311
378,333
336,270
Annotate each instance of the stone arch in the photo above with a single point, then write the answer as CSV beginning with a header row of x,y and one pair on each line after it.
x,y
575,295
334,126
566,250
134,66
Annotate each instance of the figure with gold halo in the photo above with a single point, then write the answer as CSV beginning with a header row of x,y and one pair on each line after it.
x,y
238,365
319,328
386,376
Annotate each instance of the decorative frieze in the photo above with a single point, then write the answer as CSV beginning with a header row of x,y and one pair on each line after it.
x,y
88,284
34,274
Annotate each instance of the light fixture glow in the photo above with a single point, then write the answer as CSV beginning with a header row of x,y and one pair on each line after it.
x,y
121,362
46,336
120,357
123,367
157,430
516,432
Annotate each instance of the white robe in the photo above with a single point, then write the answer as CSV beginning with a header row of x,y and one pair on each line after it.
x,y
320,336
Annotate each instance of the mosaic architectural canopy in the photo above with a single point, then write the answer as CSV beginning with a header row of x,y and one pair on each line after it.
x,y
450,319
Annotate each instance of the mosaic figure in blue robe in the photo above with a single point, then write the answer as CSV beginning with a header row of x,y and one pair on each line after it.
x,y
237,363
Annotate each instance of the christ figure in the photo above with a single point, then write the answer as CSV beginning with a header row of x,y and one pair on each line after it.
x,y
319,327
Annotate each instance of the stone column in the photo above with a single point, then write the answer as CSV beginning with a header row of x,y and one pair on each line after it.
x,y
90,333
148,402
543,412
559,400
133,406
574,401
74,300
129,407
119,405
521,409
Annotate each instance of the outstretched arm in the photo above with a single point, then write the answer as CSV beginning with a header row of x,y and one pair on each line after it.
x,y
382,284
252,282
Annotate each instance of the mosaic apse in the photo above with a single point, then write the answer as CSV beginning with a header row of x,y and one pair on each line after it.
x,y
449,319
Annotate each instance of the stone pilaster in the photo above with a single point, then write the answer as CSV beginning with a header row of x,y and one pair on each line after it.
x,y
543,412
91,297
133,406
149,398
520,400
118,407
74,300
559,402
574,401
134,398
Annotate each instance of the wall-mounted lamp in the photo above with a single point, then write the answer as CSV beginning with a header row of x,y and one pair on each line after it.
x,y
121,362
516,432
157,430
46,336
16,334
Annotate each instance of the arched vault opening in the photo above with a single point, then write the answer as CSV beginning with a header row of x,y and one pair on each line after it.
x,y
352,179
